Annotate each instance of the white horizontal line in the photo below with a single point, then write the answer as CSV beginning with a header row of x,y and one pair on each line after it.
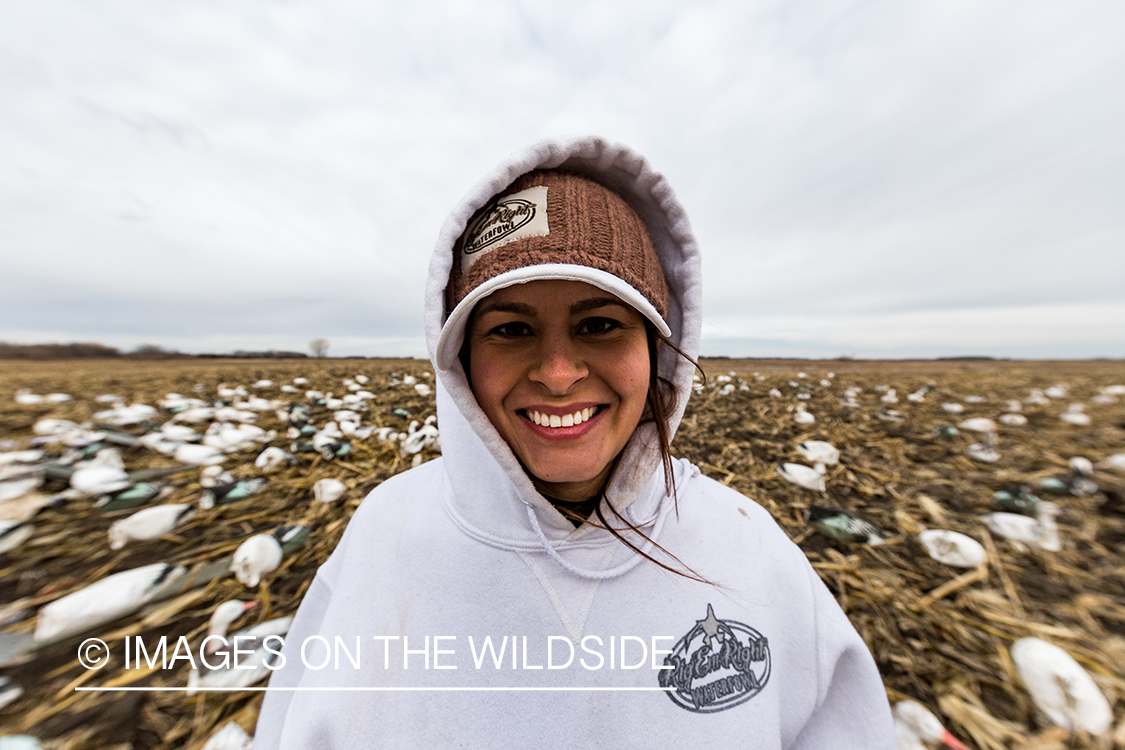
x,y
377,689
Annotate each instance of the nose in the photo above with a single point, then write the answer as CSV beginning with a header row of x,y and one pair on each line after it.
x,y
559,366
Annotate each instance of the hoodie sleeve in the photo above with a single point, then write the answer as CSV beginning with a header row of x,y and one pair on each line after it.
x,y
275,707
852,712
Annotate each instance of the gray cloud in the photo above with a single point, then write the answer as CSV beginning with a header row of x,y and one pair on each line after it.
x,y
866,178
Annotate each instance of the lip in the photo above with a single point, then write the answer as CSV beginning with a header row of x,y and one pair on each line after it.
x,y
562,433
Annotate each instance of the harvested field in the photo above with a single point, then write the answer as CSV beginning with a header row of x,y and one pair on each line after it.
x,y
940,635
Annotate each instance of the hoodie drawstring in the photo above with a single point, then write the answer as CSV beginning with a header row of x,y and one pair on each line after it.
x,y
601,575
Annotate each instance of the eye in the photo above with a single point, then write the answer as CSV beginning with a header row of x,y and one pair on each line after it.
x,y
597,326
511,330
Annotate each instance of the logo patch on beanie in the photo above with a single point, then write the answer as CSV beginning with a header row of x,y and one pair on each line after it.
x,y
513,217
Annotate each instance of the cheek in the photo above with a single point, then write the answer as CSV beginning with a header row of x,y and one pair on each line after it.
x,y
487,379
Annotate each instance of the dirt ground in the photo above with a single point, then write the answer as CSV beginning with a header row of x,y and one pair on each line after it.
x,y
939,635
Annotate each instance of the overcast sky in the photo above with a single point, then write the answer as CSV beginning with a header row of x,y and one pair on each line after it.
x,y
876,179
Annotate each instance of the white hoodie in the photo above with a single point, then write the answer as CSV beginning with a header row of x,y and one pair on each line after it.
x,y
464,611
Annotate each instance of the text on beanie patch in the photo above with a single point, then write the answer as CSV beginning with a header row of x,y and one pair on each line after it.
x,y
513,217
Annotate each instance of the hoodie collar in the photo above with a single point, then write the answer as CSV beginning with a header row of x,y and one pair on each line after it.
x,y
492,493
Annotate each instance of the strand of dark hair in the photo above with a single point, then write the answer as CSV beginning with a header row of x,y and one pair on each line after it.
x,y
660,400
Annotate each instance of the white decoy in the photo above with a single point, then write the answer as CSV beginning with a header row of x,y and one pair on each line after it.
x,y
13,534
199,455
273,458
952,548
1073,415
974,399
1040,531
1062,689
179,433
300,381
14,488
1058,390
421,438
774,393
263,384
213,476
123,416
9,691
149,523
953,407
257,647
890,397
983,453
803,476
25,397
104,601
230,737
1037,398
1082,466
255,557
1013,420
47,426
1116,461
819,452
328,490
99,480
802,416
979,424
195,415
916,728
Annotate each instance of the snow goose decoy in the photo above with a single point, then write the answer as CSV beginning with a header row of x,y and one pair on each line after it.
x,y
10,691
257,650
1075,416
229,492
952,548
819,452
328,490
1017,500
1040,531
843,526
149,523
273,458
104,601
811,478
917,728
802,416
1062,689
262,553
13,534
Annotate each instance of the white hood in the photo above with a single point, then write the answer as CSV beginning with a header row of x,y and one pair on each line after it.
x,y
493,493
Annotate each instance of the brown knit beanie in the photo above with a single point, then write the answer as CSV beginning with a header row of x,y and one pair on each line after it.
x,y
552,217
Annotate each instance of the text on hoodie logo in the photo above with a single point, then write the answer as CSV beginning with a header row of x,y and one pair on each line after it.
x,y
717,665
513,217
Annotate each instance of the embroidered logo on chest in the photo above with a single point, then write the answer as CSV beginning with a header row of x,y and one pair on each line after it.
x,y
717,665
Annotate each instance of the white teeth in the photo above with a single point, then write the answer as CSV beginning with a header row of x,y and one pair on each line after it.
x,y
566,420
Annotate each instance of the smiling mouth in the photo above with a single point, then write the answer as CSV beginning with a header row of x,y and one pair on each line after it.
x,y
563,420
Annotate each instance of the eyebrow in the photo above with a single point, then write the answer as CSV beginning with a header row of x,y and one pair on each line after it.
x,y
519,308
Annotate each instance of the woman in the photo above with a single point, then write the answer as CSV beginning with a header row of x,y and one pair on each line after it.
x,y
556,578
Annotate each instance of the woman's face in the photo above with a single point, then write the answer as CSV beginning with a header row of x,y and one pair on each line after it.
x,y
561,368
